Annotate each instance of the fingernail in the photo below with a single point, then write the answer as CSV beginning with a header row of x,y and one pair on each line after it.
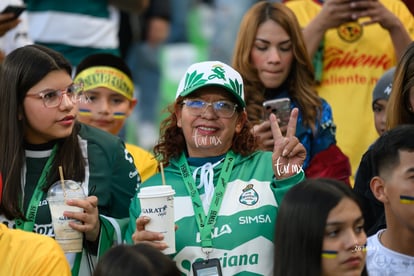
x,y
284,153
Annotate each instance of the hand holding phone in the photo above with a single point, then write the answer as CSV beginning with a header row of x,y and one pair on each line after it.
x,y
280,107
15,10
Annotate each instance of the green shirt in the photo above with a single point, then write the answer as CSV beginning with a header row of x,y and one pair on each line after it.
x,y
244,230
110,175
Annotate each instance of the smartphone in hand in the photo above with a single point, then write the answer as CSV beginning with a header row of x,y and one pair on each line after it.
x,y
16,10
280,107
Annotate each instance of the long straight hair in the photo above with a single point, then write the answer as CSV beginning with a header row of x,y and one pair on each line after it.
x,y
301,223
399,110
22,69
300,81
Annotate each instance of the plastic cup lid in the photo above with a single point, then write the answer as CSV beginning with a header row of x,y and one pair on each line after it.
x,y
71,189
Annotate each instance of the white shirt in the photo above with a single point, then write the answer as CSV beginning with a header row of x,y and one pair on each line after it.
x,y
18,36
382,261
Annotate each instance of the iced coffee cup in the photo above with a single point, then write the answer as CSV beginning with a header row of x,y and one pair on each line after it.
x,y
157,202
68,238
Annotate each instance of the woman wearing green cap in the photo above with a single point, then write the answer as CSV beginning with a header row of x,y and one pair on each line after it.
x,y
228,219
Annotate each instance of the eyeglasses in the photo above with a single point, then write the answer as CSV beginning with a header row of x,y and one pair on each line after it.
x,y
53,98
224,109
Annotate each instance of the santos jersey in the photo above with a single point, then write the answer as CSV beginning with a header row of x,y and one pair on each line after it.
x,y
244,230
110,175
76,28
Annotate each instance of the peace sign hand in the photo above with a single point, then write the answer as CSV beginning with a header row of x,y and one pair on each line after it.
x,y
288,153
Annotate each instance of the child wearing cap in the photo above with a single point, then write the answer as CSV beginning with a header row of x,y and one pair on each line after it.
x,y
372,208
380,97
109,88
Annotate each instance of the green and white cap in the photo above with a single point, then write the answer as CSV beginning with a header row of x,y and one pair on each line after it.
x,y
213,73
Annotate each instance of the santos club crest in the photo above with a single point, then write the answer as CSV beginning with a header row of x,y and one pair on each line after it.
x,y
249,196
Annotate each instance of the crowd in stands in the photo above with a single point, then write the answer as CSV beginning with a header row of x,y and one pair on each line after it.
x,y
119,95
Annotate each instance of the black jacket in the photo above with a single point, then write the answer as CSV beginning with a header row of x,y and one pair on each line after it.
x,y
373,210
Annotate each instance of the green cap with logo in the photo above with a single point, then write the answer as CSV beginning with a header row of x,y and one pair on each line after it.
x,y
215,73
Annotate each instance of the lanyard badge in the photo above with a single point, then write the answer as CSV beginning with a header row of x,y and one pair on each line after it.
x,y
210,267
207,267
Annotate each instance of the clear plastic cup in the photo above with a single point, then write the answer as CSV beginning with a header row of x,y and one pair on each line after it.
x,y
68,238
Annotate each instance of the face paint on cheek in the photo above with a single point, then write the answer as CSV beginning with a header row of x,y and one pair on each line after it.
x,y
405,199
329,254
119,115
85,112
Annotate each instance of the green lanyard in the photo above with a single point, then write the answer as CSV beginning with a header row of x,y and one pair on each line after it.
x,y
206,224
34,204
36,197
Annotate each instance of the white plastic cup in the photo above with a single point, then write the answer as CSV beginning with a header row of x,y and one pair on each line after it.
x,y
157,202
68,238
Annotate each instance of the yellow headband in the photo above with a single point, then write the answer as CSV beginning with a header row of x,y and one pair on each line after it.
x,y
109,77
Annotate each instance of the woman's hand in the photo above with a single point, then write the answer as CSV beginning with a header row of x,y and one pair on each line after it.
x,y
152,238
263,134
89,217
7,23
288,153
377,13
336,12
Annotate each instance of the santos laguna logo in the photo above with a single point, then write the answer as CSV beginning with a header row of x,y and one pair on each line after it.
x,y
160,211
